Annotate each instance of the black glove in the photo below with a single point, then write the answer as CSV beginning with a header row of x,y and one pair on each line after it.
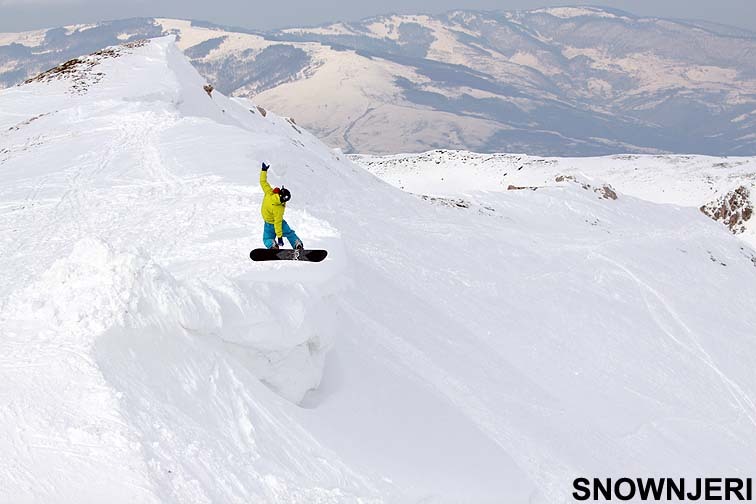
x,y
265,167
280,241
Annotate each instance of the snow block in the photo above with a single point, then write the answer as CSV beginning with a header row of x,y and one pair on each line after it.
x,y
97,289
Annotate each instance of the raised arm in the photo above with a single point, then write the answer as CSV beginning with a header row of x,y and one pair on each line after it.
x,y
264,180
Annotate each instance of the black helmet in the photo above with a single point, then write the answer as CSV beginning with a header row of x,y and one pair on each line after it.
x,y
284,194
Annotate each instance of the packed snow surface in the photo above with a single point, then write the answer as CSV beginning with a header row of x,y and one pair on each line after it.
x,y
485,348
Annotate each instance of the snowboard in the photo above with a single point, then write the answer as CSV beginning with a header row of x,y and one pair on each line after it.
x,y
288,255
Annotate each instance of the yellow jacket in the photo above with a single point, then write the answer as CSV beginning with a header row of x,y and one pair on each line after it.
x,y
272,209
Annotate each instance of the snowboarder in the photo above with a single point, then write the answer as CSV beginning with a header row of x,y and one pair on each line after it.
x,y
273,208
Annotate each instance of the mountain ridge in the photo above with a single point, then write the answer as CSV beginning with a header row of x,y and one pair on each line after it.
x,y
554,81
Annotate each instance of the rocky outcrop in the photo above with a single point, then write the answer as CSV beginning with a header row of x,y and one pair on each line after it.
x,y
80,71
733,209
605,191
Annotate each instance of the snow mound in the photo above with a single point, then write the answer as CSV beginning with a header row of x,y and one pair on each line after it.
x,y
98,289
129,354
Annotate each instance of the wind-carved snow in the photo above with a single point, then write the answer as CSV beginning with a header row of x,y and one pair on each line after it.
x,y
118,315
105,293
466,343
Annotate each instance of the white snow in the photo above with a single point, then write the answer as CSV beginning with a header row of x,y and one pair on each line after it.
x,y
364,83
654,73
30,38
70,29
485,347
333,29
686,181
189,35
571,12
358,110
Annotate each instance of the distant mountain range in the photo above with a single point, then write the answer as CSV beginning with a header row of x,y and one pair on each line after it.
x,y
557,81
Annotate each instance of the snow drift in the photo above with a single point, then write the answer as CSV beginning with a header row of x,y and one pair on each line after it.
x,y
485,347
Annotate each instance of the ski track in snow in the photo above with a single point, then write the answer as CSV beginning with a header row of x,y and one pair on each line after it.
x,y
744,401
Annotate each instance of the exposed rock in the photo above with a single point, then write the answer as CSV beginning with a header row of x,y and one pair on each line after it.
x,y
28,121
733,209
136,43
208,89
606,191
80,70
450,202
293,125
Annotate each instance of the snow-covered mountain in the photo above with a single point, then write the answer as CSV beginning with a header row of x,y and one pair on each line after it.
x,y
484,350
559,81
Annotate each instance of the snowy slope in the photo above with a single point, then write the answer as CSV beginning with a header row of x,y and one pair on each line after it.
x,y
483,352
686,181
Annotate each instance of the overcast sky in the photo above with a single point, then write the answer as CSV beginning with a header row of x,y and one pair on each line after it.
x,y
19,15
